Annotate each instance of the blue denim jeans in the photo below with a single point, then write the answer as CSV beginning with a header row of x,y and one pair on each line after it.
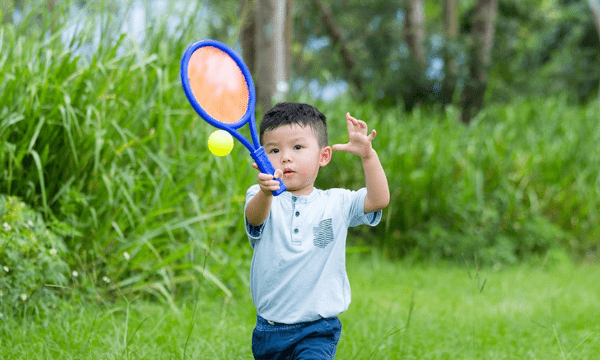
x,y
312,340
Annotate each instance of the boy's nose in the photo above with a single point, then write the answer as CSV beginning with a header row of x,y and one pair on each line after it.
x,y
286,156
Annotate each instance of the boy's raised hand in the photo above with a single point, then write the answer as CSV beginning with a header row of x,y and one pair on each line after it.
x,y
359,142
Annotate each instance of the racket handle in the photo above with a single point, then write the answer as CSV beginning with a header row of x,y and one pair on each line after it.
x,y
265,167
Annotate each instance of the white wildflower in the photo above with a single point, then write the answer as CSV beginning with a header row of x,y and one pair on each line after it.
x,y
126,255
6,269
106,279
53,251
75,273
30,223
6,226
23,297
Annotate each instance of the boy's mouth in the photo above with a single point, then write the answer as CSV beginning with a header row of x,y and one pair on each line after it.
x,y
288,173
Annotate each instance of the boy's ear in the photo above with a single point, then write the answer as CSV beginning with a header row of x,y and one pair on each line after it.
x,y
325,156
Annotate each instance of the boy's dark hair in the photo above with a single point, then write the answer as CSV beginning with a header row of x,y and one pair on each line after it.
x,y
295,113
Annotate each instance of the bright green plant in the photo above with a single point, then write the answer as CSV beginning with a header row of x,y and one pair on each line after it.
x,y
33,270
519,182
101,137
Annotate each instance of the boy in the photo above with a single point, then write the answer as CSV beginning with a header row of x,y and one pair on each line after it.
x,y
298,277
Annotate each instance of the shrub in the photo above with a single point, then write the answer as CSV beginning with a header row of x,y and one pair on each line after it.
x,y
518,182
33,269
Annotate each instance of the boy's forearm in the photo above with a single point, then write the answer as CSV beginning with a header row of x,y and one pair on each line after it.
x,y
378,192
258,208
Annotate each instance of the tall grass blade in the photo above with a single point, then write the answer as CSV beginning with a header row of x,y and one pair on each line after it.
x,y
40,171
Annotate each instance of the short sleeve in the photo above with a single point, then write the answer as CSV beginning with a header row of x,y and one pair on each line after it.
x,y
357,214
254,232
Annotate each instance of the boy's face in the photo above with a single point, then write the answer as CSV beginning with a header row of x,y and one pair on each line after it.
x,y
295,150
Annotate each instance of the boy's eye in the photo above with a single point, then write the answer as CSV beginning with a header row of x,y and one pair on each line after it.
x,y
273,151
298,147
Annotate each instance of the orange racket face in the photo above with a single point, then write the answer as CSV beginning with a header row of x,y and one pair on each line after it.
x,y
218,84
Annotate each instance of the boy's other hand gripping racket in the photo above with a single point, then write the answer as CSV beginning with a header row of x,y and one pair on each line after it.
x,y
220,88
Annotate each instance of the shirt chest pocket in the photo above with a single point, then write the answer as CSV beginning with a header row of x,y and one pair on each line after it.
x,y
323,233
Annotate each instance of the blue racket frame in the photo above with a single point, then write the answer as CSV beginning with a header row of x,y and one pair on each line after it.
x,y
256,150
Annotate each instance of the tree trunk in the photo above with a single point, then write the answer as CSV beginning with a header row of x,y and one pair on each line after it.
x,y
272,54
482,42
247,11
340,42
595,6
415,31
450,65
289,32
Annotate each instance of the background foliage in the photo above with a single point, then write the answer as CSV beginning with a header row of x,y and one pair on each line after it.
x,y
519,182
546,48
97,136
541,48
106,143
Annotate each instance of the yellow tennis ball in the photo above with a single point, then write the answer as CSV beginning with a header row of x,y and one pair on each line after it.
x,y
220,143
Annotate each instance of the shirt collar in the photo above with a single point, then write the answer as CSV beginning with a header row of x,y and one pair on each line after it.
x,y
300,198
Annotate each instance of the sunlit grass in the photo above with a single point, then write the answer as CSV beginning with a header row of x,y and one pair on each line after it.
x,y
398,311
433,312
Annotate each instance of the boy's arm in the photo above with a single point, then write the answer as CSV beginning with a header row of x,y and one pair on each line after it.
x,y
378,192
259,206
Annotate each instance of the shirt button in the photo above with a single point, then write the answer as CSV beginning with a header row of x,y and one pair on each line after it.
x,y
295,231
297,213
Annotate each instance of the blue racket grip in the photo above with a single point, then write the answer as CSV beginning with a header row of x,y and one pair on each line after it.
x,y
265,167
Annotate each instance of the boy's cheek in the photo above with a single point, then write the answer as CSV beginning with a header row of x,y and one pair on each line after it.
x,y
273,160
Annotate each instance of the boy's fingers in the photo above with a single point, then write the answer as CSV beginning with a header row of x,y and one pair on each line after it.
x,y
275,186
264,177
270,185
278,173
340,147
355,121
372,135
350,122
355,124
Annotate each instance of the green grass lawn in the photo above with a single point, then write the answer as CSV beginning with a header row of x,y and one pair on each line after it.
x,y
516,313
398,311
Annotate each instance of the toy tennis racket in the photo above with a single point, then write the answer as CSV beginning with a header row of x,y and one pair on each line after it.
x,y
220,88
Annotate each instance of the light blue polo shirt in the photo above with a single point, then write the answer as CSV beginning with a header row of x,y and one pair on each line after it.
x,y
298,270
